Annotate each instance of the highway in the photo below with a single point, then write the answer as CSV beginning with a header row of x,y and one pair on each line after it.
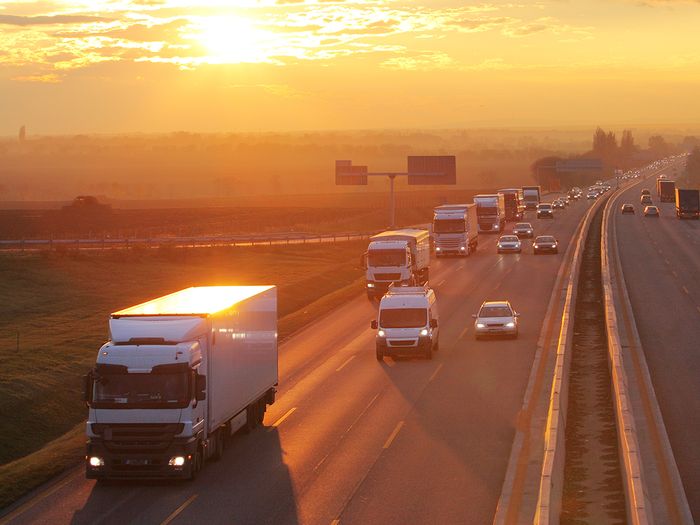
x,y
351,440
659,258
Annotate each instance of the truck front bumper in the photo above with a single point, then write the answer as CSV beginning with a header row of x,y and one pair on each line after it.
x,y
174,461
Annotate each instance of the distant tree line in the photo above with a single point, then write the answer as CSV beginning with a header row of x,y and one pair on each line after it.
x,y
692,167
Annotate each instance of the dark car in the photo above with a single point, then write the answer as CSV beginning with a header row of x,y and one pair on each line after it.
x,y
545,211
627,208
545,244
523,230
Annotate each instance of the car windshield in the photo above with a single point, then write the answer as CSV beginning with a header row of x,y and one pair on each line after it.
x,y
523,225
545,238
495,311
386,257
545,206
142,390
403,318
448,225
509,238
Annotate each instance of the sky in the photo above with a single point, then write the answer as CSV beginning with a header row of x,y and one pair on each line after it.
x,y
115,66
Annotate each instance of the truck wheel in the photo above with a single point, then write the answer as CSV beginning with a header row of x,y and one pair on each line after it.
x,y
197,461
219,443
380,355
251,418
262,407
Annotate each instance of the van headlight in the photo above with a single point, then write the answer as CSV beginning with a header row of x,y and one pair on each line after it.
x,y
381,333
424,332
96,461
177,461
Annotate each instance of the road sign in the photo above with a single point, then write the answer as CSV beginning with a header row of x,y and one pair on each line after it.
x,y
348,175
433,169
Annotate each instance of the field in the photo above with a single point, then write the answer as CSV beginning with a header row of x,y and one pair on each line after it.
x,y
54,319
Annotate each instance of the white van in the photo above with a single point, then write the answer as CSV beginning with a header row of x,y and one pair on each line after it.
x,y
407,322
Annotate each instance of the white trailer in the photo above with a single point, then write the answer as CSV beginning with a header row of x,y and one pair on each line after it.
x,y
490,212
180,374
455,229
396,256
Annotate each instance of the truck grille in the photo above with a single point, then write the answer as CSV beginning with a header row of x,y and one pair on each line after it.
x,y
387,276
147,437
448,244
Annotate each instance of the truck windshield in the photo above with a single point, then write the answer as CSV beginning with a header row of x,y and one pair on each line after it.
x,y
133,390
403,318
386,257
449,226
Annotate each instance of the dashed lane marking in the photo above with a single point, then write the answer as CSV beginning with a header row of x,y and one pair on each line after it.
x,y
437,370
345,363
686,291
393,435
441,282
464,332
281,420
178,510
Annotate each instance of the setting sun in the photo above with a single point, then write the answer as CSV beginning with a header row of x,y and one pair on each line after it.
x,y
233,39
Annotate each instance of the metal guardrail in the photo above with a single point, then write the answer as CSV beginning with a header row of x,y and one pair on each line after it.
x,y
29,245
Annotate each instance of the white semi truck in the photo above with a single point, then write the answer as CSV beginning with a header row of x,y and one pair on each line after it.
x,y
490,212
531,197
180,374
396,256
455,229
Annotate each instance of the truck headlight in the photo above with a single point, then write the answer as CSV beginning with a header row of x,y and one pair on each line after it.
x,y
177,461
96,461
424,332
510,325
370,285
381,333
438,249
480,325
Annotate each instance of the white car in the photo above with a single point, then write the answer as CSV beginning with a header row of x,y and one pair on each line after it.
x,y
509,243
496,318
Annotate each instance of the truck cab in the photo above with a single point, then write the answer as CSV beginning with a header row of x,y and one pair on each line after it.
x,y
407,322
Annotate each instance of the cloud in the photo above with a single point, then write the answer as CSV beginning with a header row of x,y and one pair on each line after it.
x,y
15,20
49,78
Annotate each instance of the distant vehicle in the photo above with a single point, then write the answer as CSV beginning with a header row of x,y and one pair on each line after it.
x,y
180,374
531,196
662,176
514,203
666,190
545,244
407,322
509,243
651,211
455,229
496,318
490,212
646,199
627,208
687,203
646,192
558,204
545,211
396,256
523,230
591,194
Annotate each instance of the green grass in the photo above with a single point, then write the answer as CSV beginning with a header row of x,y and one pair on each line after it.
x,y
59,305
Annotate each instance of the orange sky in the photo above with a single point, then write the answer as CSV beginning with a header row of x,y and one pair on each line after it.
x,y
162,65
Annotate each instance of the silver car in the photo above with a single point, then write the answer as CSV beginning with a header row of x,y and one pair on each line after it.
x,y
523,229
509,243
496,318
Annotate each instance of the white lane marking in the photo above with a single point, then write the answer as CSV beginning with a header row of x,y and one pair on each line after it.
x,y
686,291
179,510
281,420
391,438
345,363
436,372
335,522
698,308
464,332
667,261
673,272
441,282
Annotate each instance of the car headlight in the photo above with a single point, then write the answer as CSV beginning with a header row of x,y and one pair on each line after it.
x,y
510,325
438,249
424,332
177,461
480,325
370,285
381,333
535,245
96,461
462,248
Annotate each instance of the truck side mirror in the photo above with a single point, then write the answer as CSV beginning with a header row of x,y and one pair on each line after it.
x,y
87,387
200,387
433,323
373,325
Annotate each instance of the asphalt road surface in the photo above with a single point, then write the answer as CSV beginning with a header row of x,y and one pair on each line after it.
x,y
660,260
355,441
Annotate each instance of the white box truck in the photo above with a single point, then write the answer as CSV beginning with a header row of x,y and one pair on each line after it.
x,y
180,374
531,197
455,229
407,322
396,256
490,212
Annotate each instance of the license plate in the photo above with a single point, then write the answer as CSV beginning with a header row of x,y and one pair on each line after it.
x,y
136,462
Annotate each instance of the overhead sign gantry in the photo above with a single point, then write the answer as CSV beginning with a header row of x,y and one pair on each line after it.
x,y
421,170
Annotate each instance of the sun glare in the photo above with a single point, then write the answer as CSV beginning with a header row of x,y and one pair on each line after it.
x,y
234,40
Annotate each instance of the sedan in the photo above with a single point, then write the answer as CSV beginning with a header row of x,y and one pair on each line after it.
x,y
523,229
651,211
496,318
646,199
627,208
545,211
544,244
509,243
558,204
592,195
